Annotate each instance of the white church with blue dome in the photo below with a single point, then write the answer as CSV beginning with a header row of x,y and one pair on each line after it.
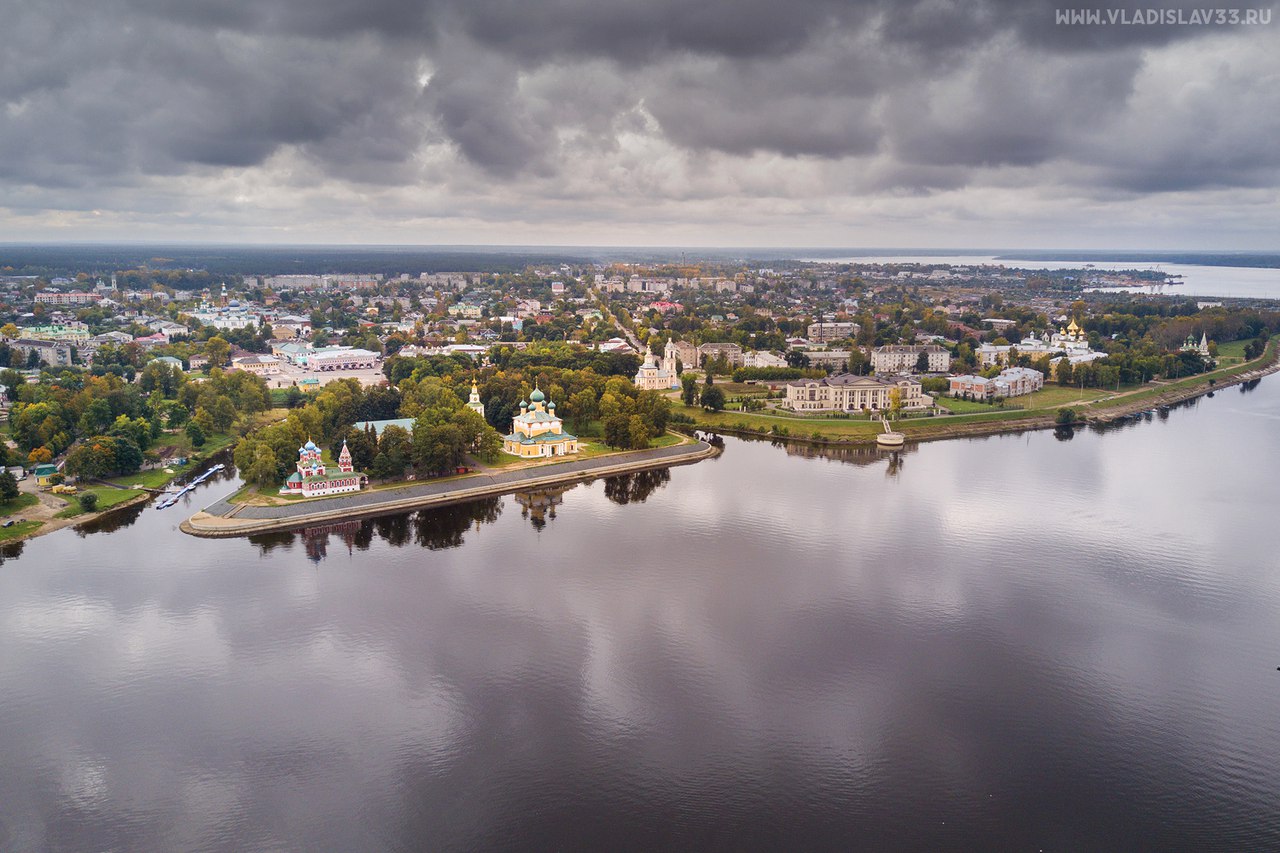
x,y
536,431
312,480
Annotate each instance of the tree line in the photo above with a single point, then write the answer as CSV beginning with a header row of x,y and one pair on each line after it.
x,y
445,432
105,424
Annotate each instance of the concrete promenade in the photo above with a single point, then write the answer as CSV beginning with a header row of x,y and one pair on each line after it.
x,y
222,518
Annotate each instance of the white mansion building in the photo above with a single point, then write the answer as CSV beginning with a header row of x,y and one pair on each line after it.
x,y
846,392
1011,382
902,358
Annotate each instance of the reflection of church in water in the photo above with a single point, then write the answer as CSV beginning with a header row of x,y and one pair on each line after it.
x,y
444,526
315,540
434,528
538,505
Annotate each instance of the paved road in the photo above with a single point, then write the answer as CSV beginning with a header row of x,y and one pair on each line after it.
x,y
363,500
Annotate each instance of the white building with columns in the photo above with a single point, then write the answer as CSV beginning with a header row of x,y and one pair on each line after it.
x,y
847,392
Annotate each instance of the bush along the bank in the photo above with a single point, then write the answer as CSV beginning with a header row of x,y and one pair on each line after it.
x,y
1067,417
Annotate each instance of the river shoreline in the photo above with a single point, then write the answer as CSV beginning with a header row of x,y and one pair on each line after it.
x,y
1115,408
213,525
236,520
50,522
53,524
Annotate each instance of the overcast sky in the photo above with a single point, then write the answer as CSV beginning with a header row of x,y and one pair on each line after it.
x,y
635,122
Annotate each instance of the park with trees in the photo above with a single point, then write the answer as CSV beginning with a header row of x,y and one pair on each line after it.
x,y
105,424
446,434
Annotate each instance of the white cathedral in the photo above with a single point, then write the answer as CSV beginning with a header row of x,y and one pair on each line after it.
x,y
660,374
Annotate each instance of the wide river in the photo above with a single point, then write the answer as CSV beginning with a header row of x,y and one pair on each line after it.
x,y
1025,642
1197,280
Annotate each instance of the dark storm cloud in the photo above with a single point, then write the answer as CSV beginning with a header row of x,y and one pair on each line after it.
x,y
636,33
326,19
164,98
116,92
480,109
1009,112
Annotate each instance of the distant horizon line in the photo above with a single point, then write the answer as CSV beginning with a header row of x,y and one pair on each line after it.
x,y
553,247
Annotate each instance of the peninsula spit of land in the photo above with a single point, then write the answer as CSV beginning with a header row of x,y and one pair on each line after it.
x,y
225,518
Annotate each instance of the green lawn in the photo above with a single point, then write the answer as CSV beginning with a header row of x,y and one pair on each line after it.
x,y
21,528
1053,396
594,449
591,449
505,460
763,423
245,491
587,449
738,389
963,407
22,501
213,444
1231,353
158,478
181,443
107,498
1049,397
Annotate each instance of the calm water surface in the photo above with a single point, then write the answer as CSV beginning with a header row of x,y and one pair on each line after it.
x,y
1197,279
1029,642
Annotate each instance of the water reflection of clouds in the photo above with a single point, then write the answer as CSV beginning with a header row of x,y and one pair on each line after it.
x,y
750,633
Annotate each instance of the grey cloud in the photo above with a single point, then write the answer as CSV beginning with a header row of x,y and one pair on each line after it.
x,y
166,99
795,125
323,19
1010,109
942,28
818,102
919,97
480,110
637,33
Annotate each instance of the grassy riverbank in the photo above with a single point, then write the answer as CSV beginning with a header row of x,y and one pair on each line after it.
x,y
108,498
38,515
1037,409
18,504
19,530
